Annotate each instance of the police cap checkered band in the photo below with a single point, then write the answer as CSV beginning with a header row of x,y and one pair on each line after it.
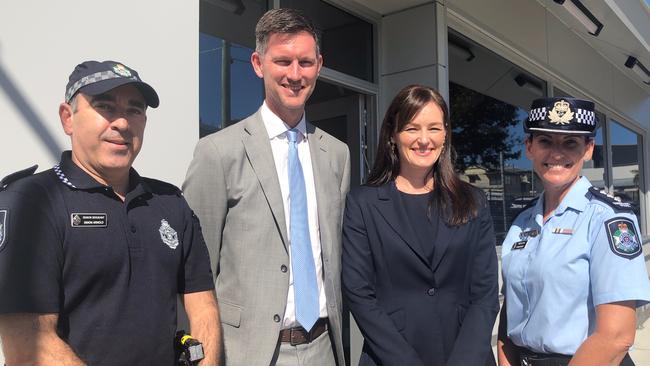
x,y
94,78
562,115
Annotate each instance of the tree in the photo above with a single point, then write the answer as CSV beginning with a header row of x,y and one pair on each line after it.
x,y
480,128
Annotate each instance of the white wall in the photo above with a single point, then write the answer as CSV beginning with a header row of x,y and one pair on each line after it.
x,y
42,41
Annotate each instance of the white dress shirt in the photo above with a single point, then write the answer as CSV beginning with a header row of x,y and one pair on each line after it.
x,y
277,129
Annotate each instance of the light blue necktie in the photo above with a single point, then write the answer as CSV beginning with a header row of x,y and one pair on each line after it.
x,y
305,286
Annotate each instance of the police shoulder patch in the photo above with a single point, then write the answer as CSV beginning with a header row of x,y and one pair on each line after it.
x,y
3,228
613,202
623,237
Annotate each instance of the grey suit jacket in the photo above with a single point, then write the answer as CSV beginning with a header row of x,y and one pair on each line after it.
x,y
232,186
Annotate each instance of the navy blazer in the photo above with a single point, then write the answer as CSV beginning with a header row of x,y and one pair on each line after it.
x,y
411,311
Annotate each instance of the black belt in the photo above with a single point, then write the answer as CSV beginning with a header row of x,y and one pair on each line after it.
x,y
530,358
298,335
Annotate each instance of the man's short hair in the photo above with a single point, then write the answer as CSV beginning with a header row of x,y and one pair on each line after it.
x,y
283,20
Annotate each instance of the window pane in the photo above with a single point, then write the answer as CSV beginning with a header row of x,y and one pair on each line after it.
x,y
625,161
487,113
229,90
346,40
489,140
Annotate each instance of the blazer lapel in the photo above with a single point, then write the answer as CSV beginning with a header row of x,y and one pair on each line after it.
x,y
324,184
259,153
394,213
444,237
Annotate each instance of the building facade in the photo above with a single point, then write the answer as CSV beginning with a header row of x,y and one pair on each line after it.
x,y
490,59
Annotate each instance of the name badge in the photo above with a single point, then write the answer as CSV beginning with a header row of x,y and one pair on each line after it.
x,y
519,245
88,220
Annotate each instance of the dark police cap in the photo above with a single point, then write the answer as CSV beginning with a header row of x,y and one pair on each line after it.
x,y
94,78
562,115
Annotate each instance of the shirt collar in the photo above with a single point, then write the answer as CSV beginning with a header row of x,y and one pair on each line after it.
x,y
576,197
276,127
73,176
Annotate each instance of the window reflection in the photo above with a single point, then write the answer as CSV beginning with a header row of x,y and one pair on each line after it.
x,y
625,164
489,141
229,90
346,40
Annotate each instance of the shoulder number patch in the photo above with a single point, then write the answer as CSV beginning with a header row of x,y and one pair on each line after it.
x,y
623,237
3,228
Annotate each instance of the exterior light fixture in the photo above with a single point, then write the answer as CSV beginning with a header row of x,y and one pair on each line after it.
x,y
584,16
461,50
529,84
637,67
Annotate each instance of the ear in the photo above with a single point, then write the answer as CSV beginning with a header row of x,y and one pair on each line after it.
x,y
256,61
65,115
529,143
320,62
589,150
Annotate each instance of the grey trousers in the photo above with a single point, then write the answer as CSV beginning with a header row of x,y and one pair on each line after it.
x,y
317,353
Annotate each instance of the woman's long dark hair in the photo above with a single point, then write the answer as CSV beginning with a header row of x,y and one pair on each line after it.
x,y
452,196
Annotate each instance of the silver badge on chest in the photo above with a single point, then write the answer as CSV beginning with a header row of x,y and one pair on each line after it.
x,y
168,234
3,227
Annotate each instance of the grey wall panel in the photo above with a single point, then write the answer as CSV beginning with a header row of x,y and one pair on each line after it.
x,y
571,57
520,22
392,84
629,97
41,42
408,39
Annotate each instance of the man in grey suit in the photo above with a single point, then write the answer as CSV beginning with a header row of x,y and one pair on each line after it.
x,y
269,192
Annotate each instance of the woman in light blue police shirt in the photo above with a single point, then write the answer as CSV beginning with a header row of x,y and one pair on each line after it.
x,y
573,267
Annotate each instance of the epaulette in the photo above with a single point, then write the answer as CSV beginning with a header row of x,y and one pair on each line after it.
x,y
613,202
528,205
4,183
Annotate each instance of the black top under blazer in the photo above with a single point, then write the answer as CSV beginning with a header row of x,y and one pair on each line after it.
x,y
412,311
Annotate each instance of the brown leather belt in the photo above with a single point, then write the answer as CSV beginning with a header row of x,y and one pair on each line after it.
x,y
298,335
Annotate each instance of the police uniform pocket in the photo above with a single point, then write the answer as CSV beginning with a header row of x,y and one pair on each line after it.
x,y
230,313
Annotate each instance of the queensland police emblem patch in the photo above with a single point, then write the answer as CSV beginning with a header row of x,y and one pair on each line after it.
x,y
3,228
168,234
121,70
623,238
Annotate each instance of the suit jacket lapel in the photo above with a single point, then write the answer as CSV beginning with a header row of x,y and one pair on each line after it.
x,y
394,213
444,237
259,153
324,184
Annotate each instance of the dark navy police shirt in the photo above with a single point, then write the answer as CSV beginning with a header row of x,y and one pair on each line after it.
x,y
111,269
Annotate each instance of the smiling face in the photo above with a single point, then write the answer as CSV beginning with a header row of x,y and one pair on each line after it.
x,y
106,131
289,66
420,142
558,158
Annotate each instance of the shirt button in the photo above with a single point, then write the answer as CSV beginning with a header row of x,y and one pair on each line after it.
x,y
133,228
276,318
283,268
431,291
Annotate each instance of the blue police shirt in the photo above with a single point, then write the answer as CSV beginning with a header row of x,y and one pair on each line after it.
x,y
555,273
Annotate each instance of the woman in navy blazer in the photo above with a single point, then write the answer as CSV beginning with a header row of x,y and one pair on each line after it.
x,y
419,263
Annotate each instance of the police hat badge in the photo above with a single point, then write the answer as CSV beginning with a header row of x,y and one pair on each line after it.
x,y
562,115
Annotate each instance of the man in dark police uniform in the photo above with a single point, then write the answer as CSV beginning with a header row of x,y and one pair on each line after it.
x,y
92,256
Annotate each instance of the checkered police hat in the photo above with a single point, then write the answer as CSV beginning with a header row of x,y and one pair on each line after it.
x,y
94,78
562,115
